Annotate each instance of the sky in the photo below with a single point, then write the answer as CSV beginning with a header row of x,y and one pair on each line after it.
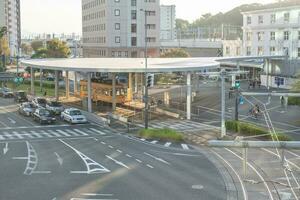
x,y
64,16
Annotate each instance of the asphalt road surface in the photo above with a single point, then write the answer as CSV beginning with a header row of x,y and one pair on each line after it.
x,y
91,161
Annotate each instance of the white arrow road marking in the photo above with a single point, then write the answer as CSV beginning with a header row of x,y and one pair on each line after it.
x,y
11,120
5,149
156,158
117,162
167,144
59,159
185,146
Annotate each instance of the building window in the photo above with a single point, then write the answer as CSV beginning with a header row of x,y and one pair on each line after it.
x,y
248,20
272,36
286,51
272,51
298,35
249,34
286,17
260,51
133,28
133,14
260,19
117,39
238,51
248,51
151,26
259,36
298,52
150,13
133,2
286,35
273,18
117,26
117,12
126,54
119,54
151,39
133,41
113,54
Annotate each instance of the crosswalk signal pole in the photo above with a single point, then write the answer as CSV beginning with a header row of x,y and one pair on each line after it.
x,y
237,100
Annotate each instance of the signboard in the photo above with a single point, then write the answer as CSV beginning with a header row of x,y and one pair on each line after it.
x,y
4,76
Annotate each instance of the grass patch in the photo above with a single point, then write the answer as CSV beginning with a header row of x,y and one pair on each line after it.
x,y
294,101
248,129
161,134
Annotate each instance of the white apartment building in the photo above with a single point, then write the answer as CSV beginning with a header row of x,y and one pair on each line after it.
x,y
116,28
272,32
10,18
167,22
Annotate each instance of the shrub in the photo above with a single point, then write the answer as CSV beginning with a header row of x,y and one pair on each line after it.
x,y
232,126
294,101
161,134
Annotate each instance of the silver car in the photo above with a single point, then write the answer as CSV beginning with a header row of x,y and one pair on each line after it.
x,y
26,109
7,93
55,107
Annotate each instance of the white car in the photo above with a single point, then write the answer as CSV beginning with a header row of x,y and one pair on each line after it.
x,y
73,116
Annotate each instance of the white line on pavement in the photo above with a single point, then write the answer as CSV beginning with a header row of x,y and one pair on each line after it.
x,y
119,151
117,162
167,144
154,142
156,158
150,166
94,194
139,161
185,146
129,156
110,146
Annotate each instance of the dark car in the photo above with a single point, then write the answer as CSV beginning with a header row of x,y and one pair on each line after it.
x,y
20,97
39,102
43,116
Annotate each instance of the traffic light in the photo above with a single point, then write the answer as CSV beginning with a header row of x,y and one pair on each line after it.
x,y
18,80
150,80
237,84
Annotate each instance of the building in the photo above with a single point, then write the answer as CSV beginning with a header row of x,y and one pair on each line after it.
x,y
274,31
232,48
168,22
10,18
116,28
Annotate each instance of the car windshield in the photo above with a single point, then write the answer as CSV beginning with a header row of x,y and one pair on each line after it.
x,y
75,112
28,105
55,104
44,113
41,101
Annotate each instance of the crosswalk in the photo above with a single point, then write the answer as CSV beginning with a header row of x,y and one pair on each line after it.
x,y
168,144
8,135
181,125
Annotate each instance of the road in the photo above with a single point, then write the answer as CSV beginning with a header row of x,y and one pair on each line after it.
x,y
93,161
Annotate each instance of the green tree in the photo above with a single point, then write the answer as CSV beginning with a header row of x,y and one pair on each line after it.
x,y
175,53
26,48
182,24
36,45
54,49
4,47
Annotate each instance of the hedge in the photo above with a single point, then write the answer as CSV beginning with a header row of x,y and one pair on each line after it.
x,y
294,101
161,134
249,129
49,85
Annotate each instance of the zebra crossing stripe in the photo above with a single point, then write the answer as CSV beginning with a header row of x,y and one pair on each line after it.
x,y
18,135
54,133
185,146
79,131
95,130
36,134
73,133
168,144
63,133
46,134
1,137
27,134
9,136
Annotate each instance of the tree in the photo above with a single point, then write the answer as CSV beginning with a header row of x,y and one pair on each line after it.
x,y
175,53
36,45
26,48
4,47
54,49
182,24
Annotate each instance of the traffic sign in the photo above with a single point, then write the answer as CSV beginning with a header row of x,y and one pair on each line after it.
x,y
18,80
237,84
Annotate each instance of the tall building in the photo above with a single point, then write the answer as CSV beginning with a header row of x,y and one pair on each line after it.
x,y
167,22
273,31
10,18
116,28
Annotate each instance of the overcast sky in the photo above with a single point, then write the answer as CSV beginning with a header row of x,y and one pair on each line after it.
x,y
64,16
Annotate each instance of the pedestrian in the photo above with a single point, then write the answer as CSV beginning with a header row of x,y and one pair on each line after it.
x,y
282,100
45,93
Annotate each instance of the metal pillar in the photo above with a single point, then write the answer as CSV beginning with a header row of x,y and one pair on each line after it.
x,y
245,160
32,81
89,88
114,104
188,96
75,83
41,79
56,85
223,127
267,63
67,84
136,77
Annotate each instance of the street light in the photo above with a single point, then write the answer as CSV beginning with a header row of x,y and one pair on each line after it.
x,y
146,67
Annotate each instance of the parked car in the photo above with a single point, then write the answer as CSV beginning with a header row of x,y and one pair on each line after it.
x,y
55,107
26,109
7,93
73,116
43,116
20,97
39,102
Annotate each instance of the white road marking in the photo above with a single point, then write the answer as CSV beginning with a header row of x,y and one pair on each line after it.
x,y
167,144
117,162
91,199
95,130
156,158
150,166
36,134
129,156
63,133
54,133
139,161
79,131
103,143
11,120
94,194
185,146
19,158
59,159
154,142
41,172
143,139
74,133
119,151
110,146
5,149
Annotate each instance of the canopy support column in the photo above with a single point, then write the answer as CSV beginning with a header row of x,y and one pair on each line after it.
x,y
56,85
188,96
75,83
129,90
114,102
41,79
67,84
89,88
32,81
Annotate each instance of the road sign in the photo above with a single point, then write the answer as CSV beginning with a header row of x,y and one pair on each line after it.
x,y
4,76
18,80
